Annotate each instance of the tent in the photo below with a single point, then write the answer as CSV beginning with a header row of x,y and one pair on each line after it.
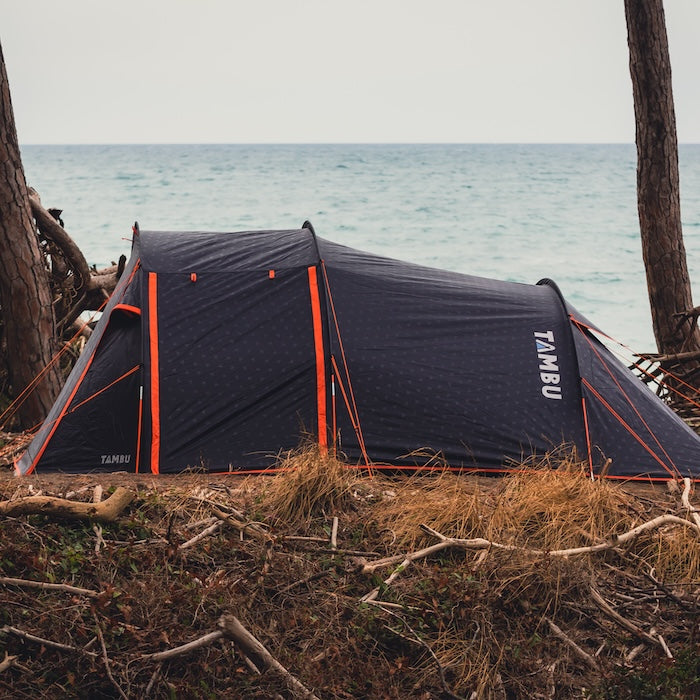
x,y
217,351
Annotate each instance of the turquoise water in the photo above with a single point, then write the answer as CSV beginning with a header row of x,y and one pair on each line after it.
x,y
513,212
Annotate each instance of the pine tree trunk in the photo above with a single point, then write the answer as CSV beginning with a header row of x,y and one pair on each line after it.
x,y
658,190
25,298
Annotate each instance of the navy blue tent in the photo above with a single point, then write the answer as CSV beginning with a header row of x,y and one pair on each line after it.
x,y
220,350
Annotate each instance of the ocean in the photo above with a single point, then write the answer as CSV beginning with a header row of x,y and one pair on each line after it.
x,y
511,212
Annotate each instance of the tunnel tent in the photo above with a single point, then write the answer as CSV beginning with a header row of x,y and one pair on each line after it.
x,y
217,351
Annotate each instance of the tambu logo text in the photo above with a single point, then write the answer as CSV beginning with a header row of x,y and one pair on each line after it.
x,y
549,364
115,459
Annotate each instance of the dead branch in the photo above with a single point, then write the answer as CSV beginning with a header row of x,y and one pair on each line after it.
x,y
441,671
54,232
252,647
480,543
685,500
622,621
200,536
253,529
24,583
671,359
106,511
560,634
28,637
7,662
105,658
200,643
334,534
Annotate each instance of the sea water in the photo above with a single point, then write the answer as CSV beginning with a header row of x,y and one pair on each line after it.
x,y
511,212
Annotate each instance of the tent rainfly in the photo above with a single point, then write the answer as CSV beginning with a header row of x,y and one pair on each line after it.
x,y
219,350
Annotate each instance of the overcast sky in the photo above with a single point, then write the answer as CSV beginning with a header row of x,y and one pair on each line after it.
x,y
272,71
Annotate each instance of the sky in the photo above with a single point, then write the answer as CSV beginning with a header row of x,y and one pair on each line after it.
x,y
331,71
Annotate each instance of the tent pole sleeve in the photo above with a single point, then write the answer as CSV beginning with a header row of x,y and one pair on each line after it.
x,y
320,360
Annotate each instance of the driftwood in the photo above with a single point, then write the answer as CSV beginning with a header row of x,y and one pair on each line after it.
x,y
106,511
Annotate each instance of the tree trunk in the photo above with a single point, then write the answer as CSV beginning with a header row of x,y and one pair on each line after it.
x,y
658,190
25,298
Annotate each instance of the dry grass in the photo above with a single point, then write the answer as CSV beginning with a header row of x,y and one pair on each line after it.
x,y
309,483
557,508
451,504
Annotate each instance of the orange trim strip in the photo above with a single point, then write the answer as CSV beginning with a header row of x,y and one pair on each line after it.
x,y
128,308
271,471
320,361
155,377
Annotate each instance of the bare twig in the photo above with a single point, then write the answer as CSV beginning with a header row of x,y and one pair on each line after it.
x,y
7,662
152,681
204,533
201,642
24,583
480,543
334,534
622,621
28,637
685,500
560,634
252,647
251,528
105,658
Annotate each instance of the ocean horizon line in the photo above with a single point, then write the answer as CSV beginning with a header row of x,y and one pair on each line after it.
x,y
343,143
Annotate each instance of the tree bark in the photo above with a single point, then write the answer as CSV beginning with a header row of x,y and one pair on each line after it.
x,y
658,189
25,298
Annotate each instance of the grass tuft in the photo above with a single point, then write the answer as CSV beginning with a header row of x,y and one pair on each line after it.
x,y
309,483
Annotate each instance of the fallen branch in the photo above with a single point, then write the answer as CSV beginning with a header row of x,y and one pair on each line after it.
x,y
106,511
42,585
261,657
200,643
105,658
623,621
480,543
685,500
334,534
7,662
560,634
441,671
28,637
200,536
251,528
